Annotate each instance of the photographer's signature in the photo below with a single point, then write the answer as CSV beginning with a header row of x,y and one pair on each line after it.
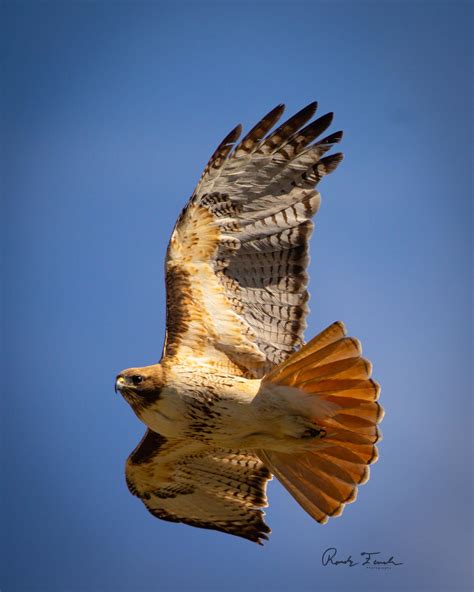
x,y
372,560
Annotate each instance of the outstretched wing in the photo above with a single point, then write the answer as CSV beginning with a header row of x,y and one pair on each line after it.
x,y
185,482
236,262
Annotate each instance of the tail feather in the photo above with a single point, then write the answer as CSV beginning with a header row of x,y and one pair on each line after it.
x,y
346,437
332,370
344,348
350,368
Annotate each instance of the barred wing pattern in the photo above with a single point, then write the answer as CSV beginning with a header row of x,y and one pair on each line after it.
x,y
182,481
236,262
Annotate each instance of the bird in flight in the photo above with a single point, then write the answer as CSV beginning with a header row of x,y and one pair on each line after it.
x,y
238,396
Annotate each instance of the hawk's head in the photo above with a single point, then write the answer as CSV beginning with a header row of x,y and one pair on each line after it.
x,y
140,387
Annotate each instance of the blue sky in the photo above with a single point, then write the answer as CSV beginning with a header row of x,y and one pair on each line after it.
x,y
109,112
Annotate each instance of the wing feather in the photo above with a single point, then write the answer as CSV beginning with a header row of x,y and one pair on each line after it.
x,y
236,262
210,488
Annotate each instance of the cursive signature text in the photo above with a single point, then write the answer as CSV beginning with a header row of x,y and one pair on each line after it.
x,y
372,560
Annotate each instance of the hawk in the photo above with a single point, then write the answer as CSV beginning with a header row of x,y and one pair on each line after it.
x,y
238,396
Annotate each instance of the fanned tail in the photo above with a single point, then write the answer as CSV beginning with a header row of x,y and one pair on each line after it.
x,y
331,371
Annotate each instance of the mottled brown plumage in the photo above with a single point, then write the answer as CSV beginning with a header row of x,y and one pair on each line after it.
x,y
227,487
237,394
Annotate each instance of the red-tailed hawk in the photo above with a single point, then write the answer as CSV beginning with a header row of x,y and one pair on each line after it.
x,y
237,395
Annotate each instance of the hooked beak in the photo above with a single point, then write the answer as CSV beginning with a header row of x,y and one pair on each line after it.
x,y
119,382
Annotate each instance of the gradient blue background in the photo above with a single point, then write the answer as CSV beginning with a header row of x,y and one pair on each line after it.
x,y
109,112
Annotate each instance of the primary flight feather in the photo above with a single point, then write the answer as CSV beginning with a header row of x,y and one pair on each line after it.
x,y
237,395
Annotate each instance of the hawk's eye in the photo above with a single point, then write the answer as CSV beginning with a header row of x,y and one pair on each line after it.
x,y
137,379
